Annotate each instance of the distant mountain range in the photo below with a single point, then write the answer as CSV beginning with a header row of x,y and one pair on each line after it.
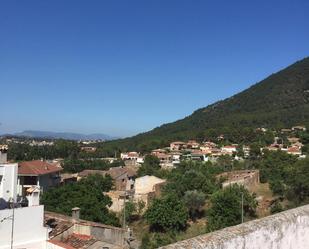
x,y
63,135
279,101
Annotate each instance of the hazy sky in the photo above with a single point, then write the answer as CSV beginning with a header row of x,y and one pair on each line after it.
x,y
122,67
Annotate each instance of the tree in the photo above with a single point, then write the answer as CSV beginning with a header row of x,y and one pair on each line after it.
x,y
156,240
298,181
77,165
305,149
277,186
86,194
274,165
240,151
225,161
255,150
190,175
140,206
304,136
129,210
150,166
276,207
167,213
226,207
194,201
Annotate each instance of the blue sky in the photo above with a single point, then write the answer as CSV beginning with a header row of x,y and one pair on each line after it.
x,y
123,67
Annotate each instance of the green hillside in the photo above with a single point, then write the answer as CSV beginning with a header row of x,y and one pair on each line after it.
x,y
281,100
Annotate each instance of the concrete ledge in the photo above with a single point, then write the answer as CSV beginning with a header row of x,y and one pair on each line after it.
x,y
285,230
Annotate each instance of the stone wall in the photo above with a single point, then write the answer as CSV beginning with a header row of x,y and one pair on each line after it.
x,y
112,235
106,233
286,230
248,178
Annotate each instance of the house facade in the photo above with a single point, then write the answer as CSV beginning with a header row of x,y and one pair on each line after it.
x,y
178,145
37,173
28,230
147,187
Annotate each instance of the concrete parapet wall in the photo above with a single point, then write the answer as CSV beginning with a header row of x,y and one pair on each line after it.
x,y
286,230
28,231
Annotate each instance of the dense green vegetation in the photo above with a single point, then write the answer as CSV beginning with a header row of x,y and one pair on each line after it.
x,y
194,192
194,201
226,207
86,194
78,165
287,175
60,149
167,213
75,160
151,166
279,101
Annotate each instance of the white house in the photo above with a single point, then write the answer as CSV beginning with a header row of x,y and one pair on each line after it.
x,y
229,149
129,156
178,145
147,187
20,227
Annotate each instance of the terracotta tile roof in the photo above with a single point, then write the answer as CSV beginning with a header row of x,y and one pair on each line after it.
x,y
37,167
133,154
178,142
61,244
88,172
75,241
294,149
117,172
229,147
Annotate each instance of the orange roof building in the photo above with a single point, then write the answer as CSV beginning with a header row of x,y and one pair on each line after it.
x,y
37,173
37,168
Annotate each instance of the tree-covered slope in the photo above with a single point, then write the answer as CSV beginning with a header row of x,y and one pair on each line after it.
x,y
281,100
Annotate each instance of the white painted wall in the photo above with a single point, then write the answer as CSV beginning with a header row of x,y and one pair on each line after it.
x,y
28,228
286,230
34,198
53,245
8,182
145,184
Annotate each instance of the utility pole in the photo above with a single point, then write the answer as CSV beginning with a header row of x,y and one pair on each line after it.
x,y
124,218
242,207
12,232
12,229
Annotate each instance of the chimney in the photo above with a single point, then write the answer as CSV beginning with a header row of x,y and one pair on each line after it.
x,y
75,213
3,153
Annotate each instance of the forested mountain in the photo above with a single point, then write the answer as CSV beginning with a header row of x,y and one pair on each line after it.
x,y
281,100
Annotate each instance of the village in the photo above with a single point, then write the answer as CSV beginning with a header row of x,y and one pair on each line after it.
x,y
27,180
210,151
